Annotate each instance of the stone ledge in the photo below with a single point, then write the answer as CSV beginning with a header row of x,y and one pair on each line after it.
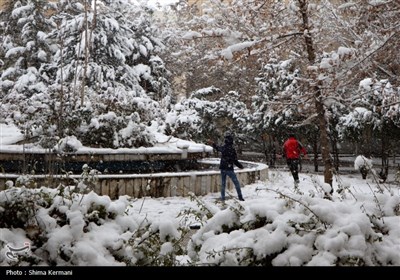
x,y
165,184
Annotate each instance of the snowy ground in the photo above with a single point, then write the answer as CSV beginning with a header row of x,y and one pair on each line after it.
x,y
278,179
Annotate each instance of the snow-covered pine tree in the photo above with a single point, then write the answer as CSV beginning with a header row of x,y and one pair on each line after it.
x,y
372,76
373,115
278,106
25,51
106,83
207,114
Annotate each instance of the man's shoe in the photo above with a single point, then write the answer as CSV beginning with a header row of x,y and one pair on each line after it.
x,y
241,199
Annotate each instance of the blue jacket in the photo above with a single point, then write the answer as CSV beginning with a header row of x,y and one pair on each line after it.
x,y
228,155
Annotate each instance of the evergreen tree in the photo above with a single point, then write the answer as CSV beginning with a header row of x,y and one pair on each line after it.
x,y
278,106
100,76
25,51
373,115
208,114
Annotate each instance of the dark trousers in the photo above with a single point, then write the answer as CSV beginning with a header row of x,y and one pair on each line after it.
x,y
294,167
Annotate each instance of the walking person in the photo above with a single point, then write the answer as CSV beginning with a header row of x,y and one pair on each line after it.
x,y
228,160
292,149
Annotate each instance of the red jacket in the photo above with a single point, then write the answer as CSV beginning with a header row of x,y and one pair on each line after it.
x,y
292,148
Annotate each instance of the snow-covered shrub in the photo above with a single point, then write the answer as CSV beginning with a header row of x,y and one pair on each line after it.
x,y
65,227
88,180
111,130
43,89
155,244
201,213
202,116
363,164
18,206
299,230
68,144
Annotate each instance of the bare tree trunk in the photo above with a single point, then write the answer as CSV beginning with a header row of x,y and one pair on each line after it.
x,y
323,125
367,138
86,54
94,23
74,91
335,152
383,173
60,125
272,150
265,149
325,151
315,150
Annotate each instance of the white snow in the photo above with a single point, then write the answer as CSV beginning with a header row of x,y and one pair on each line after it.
x,y
228,52
348,235
366,84
362,161
358,225
10,134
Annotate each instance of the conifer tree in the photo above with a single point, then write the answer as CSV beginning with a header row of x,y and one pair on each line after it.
x,y
25,51
97,74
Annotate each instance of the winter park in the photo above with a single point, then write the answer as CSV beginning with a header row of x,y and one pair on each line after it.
x,y
208,133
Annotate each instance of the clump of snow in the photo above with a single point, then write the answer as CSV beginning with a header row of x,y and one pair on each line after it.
x,y
228,52
182,145
191,35
326,187
68,144
343,51
362,162
366,84
9,134
377,2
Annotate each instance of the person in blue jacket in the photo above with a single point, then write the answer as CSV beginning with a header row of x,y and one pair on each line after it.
x,y
227,163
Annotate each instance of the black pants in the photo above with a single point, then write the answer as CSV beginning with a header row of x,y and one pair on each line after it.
x,y
294,167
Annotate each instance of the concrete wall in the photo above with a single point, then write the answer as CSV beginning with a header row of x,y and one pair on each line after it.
x,y
140,185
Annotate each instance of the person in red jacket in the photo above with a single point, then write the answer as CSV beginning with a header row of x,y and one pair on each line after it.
x,y
292,149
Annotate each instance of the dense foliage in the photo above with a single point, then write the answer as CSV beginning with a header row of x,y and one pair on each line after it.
x,y
88,71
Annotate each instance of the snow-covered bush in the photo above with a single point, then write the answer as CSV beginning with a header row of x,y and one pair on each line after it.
x,y
68,144
64,227
206,116
111,130
363,164
300,230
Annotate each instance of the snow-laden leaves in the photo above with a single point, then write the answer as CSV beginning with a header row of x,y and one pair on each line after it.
x,y
65,227
74,66
300,230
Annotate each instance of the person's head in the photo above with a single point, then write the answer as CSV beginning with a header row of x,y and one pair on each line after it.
x,y
228,137
292,135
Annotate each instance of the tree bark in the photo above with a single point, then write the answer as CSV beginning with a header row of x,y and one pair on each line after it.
x,y
335,151
60,124
325,151
86,55
323,124
315,150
